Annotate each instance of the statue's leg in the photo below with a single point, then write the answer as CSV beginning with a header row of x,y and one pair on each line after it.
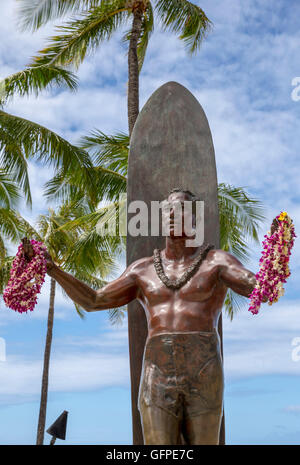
x,y
159,404
159,426
204,391
203,429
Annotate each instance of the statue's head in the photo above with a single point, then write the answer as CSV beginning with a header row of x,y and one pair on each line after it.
x,y
176,210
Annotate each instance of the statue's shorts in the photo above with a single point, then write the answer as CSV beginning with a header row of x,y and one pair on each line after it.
x,y
183,373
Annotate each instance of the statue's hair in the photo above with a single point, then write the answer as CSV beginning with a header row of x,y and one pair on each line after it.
x,y
180,189
193,197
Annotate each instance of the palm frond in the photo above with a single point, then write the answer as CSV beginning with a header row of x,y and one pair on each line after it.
x,y
234,303
108,151
28,230
9,191
240,218
94,252
88,220
109,154
34,79
3,251
35,13
92,280
80,311
13,160
112,219
185,18
36,141
107,222
110,184
10,225
106,184
81,36
116,315
5,272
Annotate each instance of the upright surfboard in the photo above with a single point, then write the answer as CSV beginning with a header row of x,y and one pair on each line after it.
x,y
171,146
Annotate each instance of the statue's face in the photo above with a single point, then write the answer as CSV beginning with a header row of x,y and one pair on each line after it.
x,y
174,213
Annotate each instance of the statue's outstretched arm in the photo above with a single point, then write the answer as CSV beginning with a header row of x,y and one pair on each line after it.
x,y
235,275
115,294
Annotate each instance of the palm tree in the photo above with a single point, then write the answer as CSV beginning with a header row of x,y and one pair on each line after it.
x,y
22,140
90,265
97,20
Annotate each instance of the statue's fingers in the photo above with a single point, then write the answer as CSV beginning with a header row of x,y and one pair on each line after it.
x,y
25,246
26,243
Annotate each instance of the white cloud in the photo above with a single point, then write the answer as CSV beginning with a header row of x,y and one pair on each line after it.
x,y
295,409
262,344
77,364
71,372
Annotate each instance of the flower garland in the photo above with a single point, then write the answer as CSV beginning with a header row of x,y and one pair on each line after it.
x,y
26,279
274,268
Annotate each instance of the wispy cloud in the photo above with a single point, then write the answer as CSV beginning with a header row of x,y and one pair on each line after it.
x,y
77,364
262,344
294,409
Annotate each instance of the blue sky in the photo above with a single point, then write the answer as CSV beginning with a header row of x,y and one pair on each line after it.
x,y
242,77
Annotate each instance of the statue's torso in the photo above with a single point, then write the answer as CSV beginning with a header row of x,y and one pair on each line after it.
x,y
196,306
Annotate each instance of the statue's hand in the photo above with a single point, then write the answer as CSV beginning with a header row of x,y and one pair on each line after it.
x,y
27,249
29,253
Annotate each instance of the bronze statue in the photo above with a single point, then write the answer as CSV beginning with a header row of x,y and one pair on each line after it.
x,y
181,389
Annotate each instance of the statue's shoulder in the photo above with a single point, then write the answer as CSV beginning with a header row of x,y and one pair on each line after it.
x,y
218,255
221,257
140,264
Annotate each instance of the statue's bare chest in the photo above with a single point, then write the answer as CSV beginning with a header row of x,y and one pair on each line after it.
x,y
198,288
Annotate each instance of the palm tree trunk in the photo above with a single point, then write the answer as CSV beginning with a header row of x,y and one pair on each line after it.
x,y
44,390
133,111
133,70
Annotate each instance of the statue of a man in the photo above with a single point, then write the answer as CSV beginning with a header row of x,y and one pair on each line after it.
x,y
182,290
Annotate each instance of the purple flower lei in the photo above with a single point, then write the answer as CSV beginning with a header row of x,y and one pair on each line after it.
x,y
26,279
274,263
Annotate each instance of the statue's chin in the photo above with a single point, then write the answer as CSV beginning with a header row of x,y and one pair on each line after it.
x,y
172,235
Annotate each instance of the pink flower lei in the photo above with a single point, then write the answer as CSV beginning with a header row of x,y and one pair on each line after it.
x,y
26,279
274,263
